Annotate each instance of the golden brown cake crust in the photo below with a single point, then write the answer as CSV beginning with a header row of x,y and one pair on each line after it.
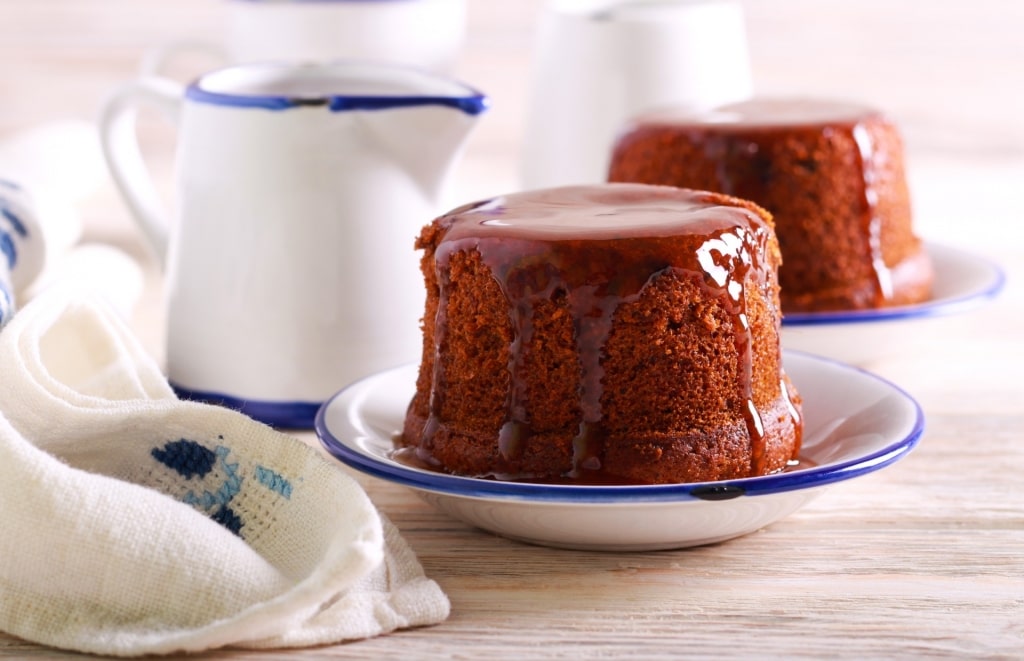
x,y
832,175
603,353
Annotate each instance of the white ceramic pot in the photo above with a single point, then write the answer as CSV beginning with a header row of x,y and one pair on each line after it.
x,y
596,64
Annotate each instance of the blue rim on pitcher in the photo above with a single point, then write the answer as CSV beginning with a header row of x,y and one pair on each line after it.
x,y
288,415
338,86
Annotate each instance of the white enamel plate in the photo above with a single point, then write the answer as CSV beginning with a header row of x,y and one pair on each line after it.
x,y
963,282
855,423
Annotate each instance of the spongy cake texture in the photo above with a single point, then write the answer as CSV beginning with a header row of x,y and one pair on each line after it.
x,y
603,334
832,175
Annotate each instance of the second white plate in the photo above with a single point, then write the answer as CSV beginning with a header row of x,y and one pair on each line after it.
x,y
963,281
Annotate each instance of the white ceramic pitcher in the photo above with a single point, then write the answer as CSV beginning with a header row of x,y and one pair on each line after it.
x,y
290,265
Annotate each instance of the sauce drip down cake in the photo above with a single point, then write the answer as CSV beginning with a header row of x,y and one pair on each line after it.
x,y
605,334
831,174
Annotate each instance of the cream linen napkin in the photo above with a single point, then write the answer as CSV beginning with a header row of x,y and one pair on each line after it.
x,y
136,523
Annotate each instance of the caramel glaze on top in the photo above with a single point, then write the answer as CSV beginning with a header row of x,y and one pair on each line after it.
x,y
599,247
831,173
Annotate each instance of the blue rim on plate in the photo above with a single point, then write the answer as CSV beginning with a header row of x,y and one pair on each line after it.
x,y
990,280
468,487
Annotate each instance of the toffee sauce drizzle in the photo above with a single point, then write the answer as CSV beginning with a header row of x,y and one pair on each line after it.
x,y
736,135
772,116
542,244
872,223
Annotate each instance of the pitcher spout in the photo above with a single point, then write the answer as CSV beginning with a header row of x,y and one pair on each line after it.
x,y
424,142
422,131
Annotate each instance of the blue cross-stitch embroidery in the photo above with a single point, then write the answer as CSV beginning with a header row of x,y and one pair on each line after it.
x,y
228,489
15,221
9,250
274,481
6,305
226,517
186,457
192,460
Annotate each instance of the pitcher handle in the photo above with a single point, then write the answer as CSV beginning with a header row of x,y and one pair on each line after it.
x,y
124,158
158,60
